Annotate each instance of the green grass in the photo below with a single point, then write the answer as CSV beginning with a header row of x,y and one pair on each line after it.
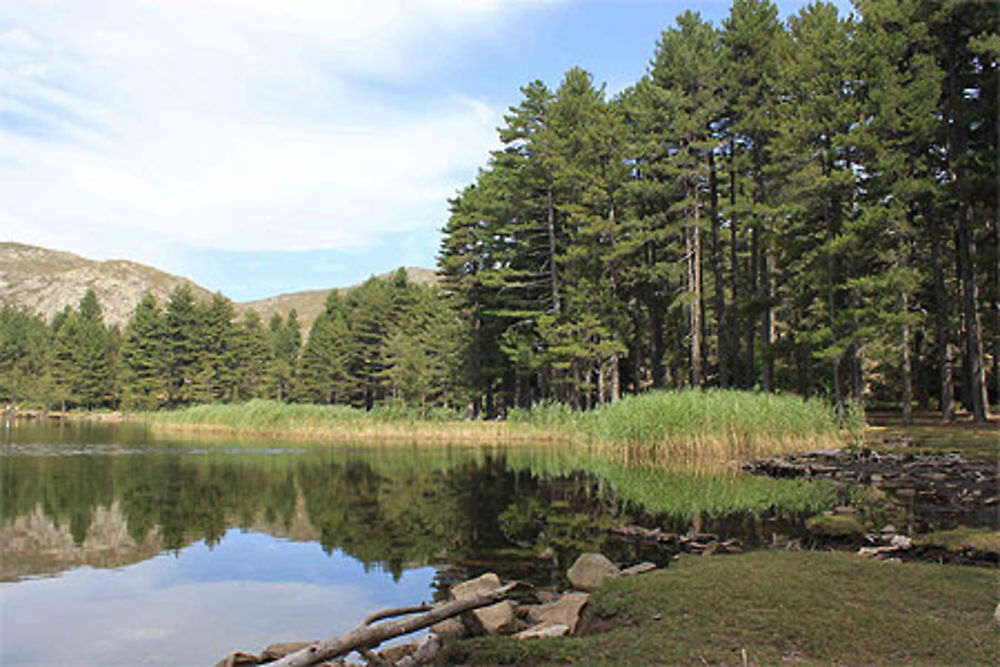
x,y
692,430
702,429
963,540
813,607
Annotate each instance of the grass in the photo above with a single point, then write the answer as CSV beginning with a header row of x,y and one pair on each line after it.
x,y
691,430
963,540
771,607
264,418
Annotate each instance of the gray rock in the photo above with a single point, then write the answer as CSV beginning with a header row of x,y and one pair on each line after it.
x,y
641,568
590,570
543,630
490,620
564,611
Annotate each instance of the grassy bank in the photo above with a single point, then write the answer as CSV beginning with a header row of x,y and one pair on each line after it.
x,y
773,607
687,429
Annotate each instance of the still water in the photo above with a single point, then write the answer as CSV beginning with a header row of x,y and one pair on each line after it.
x,y
117,548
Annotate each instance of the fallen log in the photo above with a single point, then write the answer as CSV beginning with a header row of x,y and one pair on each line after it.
x,y
366,636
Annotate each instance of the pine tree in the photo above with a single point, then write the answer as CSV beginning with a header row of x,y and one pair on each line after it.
x,y
144,355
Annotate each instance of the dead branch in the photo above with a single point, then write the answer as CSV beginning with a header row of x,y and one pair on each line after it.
x,y
366,636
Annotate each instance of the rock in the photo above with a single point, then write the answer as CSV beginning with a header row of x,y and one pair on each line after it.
x,y
394,654
888,529
545,595
876,552
490,620
590,570
281,649
427,649
838,526
450,628
640,568
996,617
543,630
844,509
901,542
238,658
564,611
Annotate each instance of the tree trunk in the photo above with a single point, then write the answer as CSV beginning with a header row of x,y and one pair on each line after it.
x,y
693,242
751,317
551,228
974,370
367,636
946,395
907,397
734,265
720,301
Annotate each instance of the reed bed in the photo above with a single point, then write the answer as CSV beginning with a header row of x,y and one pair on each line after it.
x,y
690,430
702,429
335,423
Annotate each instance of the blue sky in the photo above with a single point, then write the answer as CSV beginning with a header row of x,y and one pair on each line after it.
x,y
262,147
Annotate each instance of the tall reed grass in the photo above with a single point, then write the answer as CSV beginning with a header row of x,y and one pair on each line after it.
x,y
690,429
697,429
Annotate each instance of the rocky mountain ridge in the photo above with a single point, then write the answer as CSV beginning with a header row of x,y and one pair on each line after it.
x,y
45,281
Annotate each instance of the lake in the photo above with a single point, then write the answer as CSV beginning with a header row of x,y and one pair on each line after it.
x,y
117,548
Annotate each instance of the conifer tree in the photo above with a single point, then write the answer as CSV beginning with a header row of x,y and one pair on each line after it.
x,y
144,356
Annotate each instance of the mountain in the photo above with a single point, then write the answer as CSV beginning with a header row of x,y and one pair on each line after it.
x,y
46,281
309,304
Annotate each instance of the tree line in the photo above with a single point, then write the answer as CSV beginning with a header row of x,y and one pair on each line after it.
x,y
806,206
388,341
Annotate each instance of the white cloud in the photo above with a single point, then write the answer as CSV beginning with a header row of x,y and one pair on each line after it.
x,y
127,126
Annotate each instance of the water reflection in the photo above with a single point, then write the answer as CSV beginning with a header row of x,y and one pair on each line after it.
x,y
196,604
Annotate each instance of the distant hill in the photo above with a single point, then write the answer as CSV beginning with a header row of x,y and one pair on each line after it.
x,y
46,281
309,304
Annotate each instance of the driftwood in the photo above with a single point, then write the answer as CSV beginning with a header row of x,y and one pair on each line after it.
x,y
366,636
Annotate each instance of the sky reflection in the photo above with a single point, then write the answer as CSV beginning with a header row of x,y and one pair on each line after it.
x,y
193,607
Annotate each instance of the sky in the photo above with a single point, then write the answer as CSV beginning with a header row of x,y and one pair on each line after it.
x,y
268,146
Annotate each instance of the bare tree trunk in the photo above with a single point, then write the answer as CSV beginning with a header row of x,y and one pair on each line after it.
x,y
616,379
367,636
551,227
907,397
946,397
751,320
692,239
720,301
974,370
734,265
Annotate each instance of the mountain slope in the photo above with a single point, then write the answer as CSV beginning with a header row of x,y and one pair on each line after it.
x,y
46,281
309,304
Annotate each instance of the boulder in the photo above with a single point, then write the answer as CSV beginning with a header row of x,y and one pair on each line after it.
x,y
490,620
281,649
450,628
564,611
543,630
590,570
237,658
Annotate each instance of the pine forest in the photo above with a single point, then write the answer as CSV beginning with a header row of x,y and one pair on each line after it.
x,y
807,206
